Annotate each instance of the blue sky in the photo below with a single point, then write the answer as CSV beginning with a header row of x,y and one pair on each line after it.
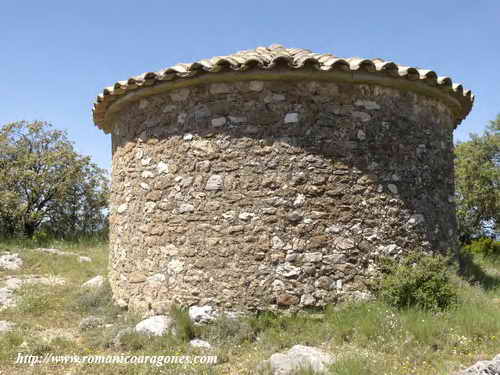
x,y
58,55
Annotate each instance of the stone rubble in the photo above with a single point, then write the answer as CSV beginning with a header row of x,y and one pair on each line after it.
x,y
297,358
483,368
95,282
10,262
6,326
81,259
197,343
202,314
12,283
157,325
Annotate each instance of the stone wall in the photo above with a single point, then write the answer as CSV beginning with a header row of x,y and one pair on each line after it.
x,y
266,195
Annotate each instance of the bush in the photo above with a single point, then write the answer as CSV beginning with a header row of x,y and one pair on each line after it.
x,y
95,301
230,331
485,246
417,280
183,325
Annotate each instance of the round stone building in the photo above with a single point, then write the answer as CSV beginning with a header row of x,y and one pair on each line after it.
x,y
274,178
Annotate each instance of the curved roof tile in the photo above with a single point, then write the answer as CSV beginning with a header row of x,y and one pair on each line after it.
x,y
268,58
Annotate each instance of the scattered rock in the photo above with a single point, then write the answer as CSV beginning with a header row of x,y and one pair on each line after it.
x,y
156,325
10,262
483,368
6,326
95,282
91,322
80,258
7,298
299,357
53,251
202,314
15,282
197,343
12,283
50,334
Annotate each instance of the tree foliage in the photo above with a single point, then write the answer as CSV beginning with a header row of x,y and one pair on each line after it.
x,y
45,184
477,182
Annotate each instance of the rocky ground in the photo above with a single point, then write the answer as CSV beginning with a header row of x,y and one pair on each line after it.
x,y
58,301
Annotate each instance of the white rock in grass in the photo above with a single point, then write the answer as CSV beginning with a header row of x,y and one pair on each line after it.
x,y
6,326
84,259
202,314
11,262
156,325
483,368
197,343
95,282
7,298
299,357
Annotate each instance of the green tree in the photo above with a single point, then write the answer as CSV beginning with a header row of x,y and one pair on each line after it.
x,y
477,182
44,182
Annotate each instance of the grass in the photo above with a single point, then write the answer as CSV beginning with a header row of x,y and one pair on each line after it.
x,y
366,338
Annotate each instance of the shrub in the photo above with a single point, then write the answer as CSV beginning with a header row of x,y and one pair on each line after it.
x,y
96,301
183,325
485,246
226,330
417,280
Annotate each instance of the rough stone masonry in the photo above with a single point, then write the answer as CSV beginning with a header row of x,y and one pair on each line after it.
x,y
274,178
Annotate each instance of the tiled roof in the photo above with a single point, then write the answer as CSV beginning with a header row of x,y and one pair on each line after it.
x,y
275,56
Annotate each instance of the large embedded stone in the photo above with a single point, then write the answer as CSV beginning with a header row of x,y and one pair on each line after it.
x,y
299,357
156,325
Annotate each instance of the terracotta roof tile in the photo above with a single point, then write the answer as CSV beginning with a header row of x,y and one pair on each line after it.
x,y
269,58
